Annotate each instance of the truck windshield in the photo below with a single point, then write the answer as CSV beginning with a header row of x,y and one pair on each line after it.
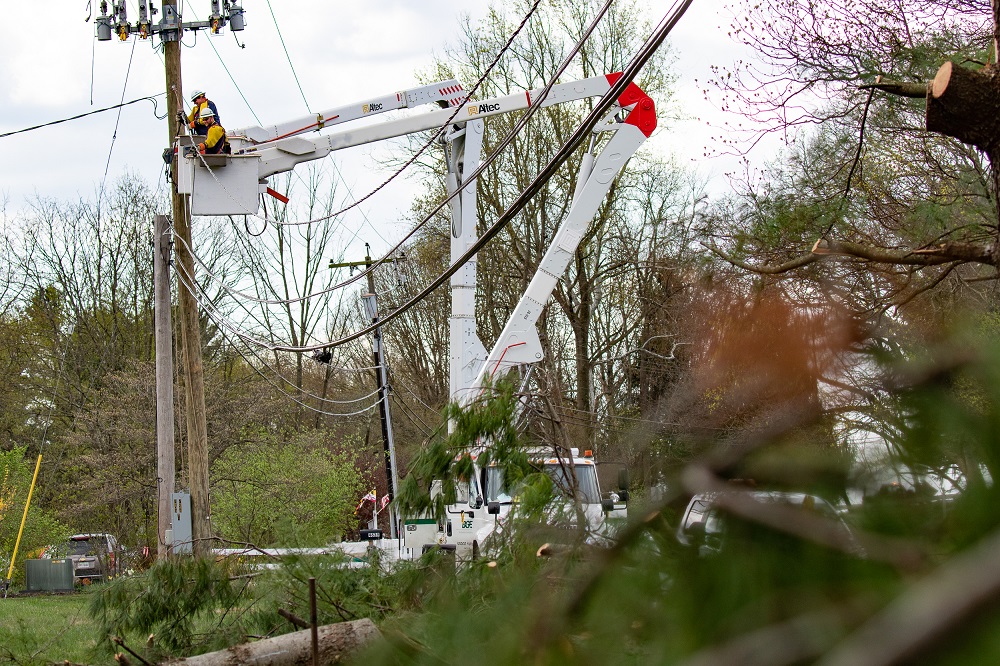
x,y
585,482
496,489
562,474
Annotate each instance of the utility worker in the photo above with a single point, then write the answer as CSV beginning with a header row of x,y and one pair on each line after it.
x,y
194,118
215,142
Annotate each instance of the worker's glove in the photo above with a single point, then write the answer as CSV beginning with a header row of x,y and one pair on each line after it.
x,y
201,148
192,124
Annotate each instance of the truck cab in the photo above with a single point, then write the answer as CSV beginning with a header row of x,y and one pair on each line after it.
x,y
485,503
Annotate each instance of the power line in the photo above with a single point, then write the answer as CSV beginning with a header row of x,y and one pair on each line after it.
x,y
256,368
653,42
287,56
114,136
151,98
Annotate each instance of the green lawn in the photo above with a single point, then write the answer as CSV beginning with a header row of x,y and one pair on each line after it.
x,y
48,629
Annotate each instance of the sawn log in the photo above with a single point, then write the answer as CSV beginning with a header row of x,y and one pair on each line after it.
x,y
336,642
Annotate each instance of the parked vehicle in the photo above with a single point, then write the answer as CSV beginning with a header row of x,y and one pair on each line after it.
x,y
484,502
96,557
704,523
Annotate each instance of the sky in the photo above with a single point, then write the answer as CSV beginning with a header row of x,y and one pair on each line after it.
x,y
341,53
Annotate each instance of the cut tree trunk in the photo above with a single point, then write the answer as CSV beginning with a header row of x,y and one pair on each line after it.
x,y
336,643
965,104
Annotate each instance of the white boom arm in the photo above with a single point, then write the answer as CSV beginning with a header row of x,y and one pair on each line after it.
x,y
518,343
284,154
443,93
234,190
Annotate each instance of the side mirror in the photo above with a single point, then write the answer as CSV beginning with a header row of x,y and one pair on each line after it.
x,y
493,508
607,504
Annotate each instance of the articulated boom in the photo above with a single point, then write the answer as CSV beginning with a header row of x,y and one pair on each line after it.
x,y
232,184
518,343
443,93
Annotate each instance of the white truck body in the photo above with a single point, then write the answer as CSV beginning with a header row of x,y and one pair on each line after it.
x,y
484,506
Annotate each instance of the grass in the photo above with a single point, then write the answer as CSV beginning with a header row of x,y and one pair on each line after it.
x,y
47,629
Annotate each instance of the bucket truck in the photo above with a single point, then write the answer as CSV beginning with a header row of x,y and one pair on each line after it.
x,y
232,184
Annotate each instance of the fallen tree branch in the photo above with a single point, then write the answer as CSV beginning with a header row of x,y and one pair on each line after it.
x,y
293,618
336,643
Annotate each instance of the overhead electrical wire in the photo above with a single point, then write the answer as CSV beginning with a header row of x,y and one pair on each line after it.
x,y
287,56
654,41
289,396
436,412
151,98
336,169
425,430
212,313
114,135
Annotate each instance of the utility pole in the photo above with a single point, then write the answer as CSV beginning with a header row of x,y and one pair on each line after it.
x,y
382,382
165,461
194,374
170,29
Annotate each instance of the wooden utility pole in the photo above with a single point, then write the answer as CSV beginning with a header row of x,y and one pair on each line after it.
x,y
165,461
194,379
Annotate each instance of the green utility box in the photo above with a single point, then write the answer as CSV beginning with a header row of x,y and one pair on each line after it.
x,y
49,575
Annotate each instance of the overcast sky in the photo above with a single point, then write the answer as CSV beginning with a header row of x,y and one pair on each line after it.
x,y
341,52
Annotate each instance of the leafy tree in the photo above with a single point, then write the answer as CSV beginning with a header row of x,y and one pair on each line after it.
x,y
282,492
41,528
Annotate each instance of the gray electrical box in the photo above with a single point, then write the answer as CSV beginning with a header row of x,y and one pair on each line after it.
x,y
181,503
49,575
